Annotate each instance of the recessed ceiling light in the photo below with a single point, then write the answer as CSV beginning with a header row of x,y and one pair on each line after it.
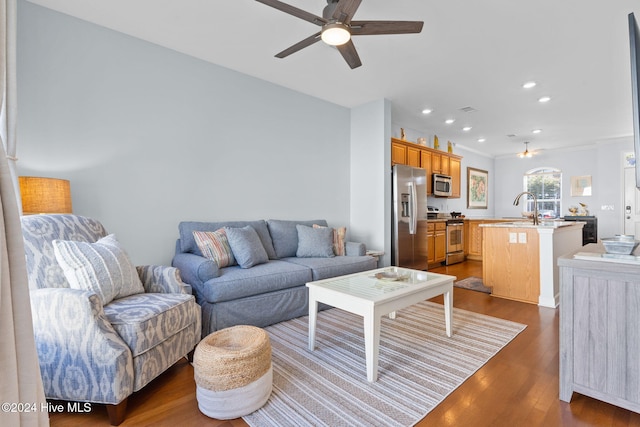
x,y
481,140
529,85
449,121
426,111
544,99
536,131
466,128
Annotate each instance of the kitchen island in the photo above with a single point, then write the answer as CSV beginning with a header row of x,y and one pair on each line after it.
x,y
520,259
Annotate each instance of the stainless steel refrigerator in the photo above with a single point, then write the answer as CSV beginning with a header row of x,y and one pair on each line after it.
x,y
409,227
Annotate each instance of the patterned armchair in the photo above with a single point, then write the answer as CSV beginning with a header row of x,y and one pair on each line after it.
x,y
95,350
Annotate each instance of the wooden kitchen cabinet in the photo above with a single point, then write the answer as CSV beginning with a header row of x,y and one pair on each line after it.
x,y
454,171
431,243
473,240
440,163
398,154
413,157
425,162
473,236
440,243
436,242
429,159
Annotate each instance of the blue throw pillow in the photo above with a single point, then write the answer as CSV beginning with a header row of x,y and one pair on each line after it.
x,y
246,246
314,242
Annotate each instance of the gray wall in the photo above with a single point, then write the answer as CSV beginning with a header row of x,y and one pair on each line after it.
x,y
150,137
603,161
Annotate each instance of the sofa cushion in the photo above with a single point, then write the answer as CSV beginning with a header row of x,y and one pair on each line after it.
x,y
324,268
246,246
215,245
314,242
146,320
284,235
188,244
339,239
102,267
236,282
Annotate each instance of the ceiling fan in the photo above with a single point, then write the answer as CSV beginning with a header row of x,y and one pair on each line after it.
x,y
337,27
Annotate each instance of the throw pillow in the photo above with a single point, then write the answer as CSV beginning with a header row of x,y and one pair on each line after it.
x,y
215,245
314,242
246,246
102,267
339,236
285,236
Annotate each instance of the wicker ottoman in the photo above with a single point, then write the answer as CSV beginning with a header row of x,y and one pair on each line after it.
x,y
232,369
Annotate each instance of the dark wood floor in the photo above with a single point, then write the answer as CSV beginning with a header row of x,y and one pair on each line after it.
x,y
517,387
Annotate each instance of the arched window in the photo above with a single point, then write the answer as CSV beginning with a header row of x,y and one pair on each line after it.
x,y
546,184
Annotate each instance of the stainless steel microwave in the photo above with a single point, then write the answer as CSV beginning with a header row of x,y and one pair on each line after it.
x,y
441,185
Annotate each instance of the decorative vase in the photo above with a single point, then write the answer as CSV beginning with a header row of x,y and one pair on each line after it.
x,y
436,144
449,147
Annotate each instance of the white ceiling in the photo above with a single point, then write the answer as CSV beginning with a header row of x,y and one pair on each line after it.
x,y
470,54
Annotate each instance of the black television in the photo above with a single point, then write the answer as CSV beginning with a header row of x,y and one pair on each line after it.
x,y
634,44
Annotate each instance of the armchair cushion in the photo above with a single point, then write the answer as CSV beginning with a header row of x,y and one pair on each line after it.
x,y
145,320
102,267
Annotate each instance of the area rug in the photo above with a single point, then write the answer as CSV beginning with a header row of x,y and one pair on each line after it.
x,y
472,283
418,366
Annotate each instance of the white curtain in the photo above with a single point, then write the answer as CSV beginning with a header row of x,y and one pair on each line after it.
x,y
20,382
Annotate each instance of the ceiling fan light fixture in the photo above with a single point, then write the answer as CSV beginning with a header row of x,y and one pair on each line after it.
x,y
526,153
335,34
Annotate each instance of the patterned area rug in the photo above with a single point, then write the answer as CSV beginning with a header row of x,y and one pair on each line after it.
x,y
419,366
472,283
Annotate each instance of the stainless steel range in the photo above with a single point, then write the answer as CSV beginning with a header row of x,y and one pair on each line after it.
x,y
455,241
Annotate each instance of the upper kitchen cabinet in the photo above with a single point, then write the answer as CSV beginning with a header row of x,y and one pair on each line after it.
x,y
398,153
433,161
454,171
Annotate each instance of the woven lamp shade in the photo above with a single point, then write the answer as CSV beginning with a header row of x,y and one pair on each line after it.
x,y
45,195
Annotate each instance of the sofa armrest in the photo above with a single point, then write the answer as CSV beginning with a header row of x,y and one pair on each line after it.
x,y
161,279
195,269
76,343
355,249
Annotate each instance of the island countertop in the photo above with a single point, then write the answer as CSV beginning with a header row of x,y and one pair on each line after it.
x,y
527,224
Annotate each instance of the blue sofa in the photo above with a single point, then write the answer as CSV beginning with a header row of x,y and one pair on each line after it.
x,y
266,293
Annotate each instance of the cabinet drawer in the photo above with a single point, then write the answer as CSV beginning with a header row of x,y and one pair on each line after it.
x,y
441,225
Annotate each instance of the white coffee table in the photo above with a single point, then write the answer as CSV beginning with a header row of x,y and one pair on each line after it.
x,y
365,295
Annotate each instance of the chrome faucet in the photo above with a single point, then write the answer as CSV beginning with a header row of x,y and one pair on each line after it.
x,y
535,205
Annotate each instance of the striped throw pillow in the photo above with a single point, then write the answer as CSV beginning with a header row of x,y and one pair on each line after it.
x,y
339,235
215,245
102,267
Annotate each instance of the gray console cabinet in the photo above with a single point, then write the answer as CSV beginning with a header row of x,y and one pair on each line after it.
x,y
600,330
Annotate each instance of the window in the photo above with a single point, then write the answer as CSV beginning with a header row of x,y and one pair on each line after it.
x,y
545,183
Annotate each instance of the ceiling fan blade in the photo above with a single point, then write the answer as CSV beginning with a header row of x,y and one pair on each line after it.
x,y
345,10
365,28
349,53
292,10
300,45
